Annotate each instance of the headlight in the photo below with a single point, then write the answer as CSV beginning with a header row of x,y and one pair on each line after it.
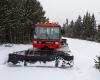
x,y
56,42
35,42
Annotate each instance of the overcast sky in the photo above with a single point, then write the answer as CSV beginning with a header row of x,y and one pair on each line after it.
x,y
59,10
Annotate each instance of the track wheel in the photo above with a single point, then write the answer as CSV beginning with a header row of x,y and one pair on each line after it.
x,y
63,64
56,63
25,63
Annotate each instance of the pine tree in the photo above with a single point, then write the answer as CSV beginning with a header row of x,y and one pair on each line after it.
x,y
97,62
77,29
64,28
86,24
3,12
69,29
93,27
89,26
98,33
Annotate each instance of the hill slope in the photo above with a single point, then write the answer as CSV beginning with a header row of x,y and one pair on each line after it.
x,y
84,52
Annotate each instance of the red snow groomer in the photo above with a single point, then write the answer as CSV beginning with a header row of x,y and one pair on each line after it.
x,y
46,36
47,46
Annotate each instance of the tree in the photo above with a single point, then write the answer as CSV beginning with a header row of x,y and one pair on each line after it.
x,y
86,25
98,33
3,11
77,29
97,62
69,29
89,26
64,28
93,29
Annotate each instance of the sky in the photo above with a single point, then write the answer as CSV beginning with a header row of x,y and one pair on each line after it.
x,y
59,10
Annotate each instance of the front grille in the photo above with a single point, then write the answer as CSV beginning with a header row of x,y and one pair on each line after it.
x,y
45,42
48,42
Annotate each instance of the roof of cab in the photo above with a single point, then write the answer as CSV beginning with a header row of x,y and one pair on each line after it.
x,y
47,25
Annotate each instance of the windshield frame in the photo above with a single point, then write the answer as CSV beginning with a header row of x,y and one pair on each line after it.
x,y
47,36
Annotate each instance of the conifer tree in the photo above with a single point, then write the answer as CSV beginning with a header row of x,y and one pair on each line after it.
x,y
77,29
89,26
98,33
93,27
69,29
3,20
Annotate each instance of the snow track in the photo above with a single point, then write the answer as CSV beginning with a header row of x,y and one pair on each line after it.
x,y
84,53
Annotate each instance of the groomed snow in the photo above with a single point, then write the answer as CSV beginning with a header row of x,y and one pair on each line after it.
x,y
83,51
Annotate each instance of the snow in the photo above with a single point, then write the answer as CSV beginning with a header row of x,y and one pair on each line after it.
x,y
84,52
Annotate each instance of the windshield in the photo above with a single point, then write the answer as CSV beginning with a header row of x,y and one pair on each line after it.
x,y
47,33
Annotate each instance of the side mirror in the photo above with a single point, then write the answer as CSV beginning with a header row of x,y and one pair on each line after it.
x,y
62,32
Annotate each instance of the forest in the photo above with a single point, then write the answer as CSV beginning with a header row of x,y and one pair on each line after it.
x,y
85,27
17,17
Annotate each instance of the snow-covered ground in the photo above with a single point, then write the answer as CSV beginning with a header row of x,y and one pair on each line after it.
x,y
83,51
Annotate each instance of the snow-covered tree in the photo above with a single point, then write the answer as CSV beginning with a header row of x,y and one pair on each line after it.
x,y
97,62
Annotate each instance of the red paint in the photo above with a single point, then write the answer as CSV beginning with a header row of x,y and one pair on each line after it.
x,y
47,25
39,45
